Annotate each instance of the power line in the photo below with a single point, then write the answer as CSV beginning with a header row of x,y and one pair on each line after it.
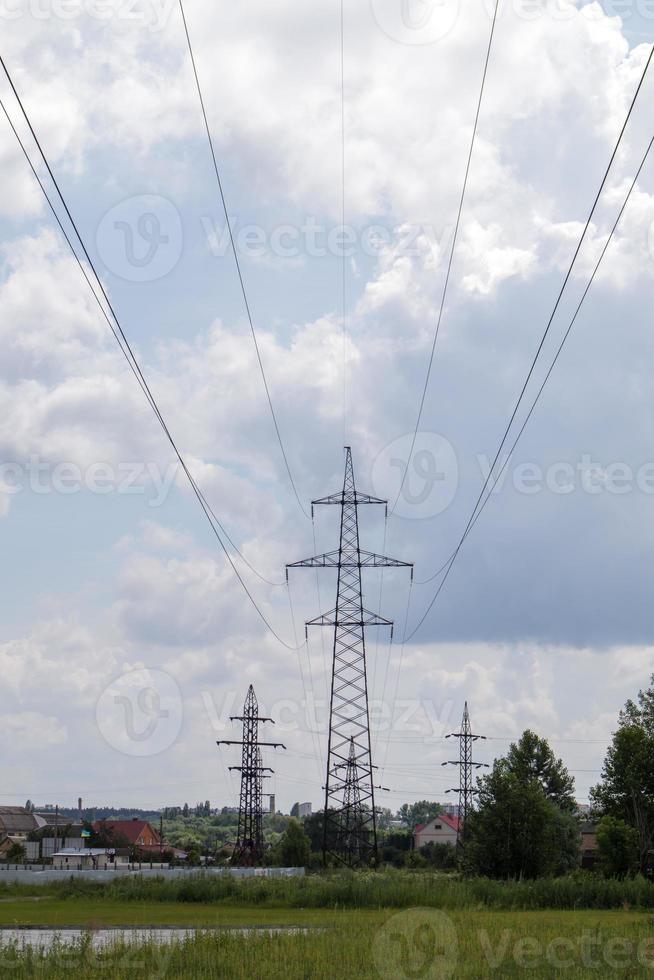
x,y
237,262
343,257
476,508
421,403
123,342
566,334
479,508
125,350
317,757
397,676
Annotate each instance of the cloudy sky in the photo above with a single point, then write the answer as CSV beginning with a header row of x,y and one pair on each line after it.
x,y
126,640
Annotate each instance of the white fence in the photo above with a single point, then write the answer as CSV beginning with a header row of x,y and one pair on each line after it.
x,y
36,875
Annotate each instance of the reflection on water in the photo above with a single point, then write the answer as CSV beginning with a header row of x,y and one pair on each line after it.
x,y
103,938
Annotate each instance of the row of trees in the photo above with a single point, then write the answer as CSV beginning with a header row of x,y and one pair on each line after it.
x,y
525,822
625,795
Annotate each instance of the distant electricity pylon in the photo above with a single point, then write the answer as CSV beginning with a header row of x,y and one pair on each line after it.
x,y
349,758
249,841
465,789
353,827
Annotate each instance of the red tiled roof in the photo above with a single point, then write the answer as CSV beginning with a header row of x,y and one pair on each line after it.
x,y
130,829
448,819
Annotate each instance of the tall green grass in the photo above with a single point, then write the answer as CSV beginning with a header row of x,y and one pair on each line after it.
x,y
485,944
365,890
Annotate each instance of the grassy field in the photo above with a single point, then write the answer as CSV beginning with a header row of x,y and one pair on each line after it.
x,y
97,914
412,943
358,890
359,926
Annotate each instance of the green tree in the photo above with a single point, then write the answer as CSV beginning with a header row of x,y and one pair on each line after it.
x,y
421,812
294,846
523,826
439,855
617,843
313,827
384,817
626,790
532,758
16,854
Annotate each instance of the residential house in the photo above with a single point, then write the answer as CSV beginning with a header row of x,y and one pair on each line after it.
x,y
85,859
135,833
16,821
8,843
442,829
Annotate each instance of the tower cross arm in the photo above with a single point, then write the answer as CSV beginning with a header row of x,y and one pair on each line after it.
x,y
247,718
328,560
360,559
252,770
272,745
348,497
368,559
367,619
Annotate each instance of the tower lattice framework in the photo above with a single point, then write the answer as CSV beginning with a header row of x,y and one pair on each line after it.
x,y
349,757
249,846
466,765
352,828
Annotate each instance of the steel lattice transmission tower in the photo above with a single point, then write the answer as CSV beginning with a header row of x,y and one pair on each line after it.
x,y
352,829
249,841
349,759
465,789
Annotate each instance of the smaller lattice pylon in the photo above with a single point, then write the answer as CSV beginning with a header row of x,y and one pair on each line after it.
x,y
352,819
465,789
249,847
